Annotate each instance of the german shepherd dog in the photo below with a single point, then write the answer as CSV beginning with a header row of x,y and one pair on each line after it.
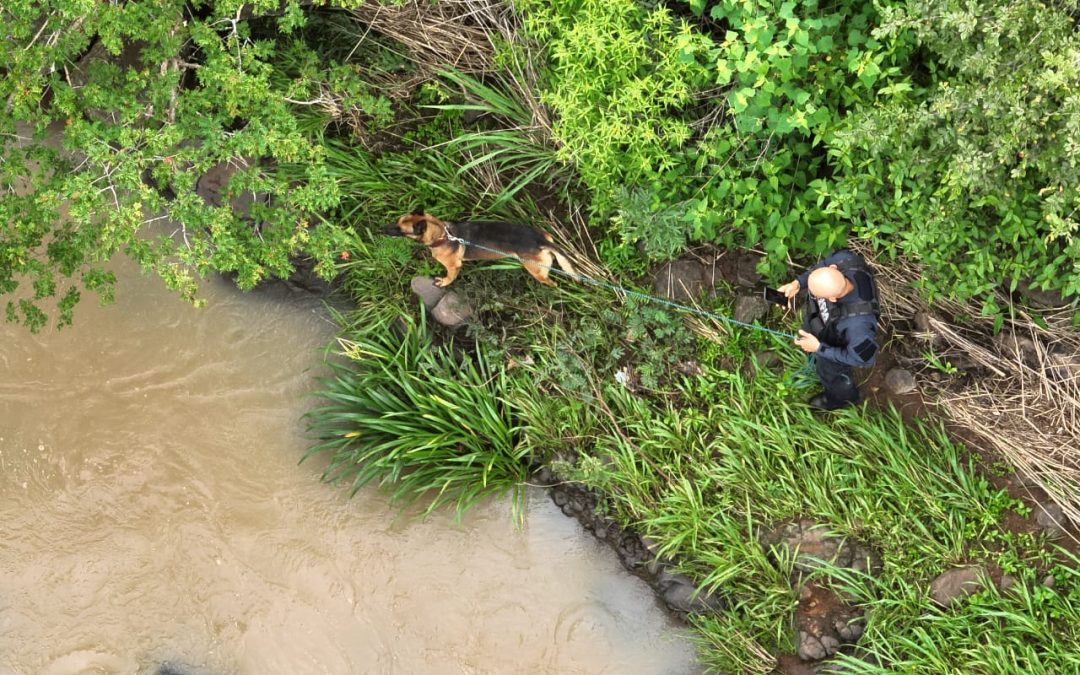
x,y
492,240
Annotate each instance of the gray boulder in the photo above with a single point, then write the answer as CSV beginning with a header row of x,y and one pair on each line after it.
x,y
427,291
680,280
953,586
452,311
899,381
1052,519
750,308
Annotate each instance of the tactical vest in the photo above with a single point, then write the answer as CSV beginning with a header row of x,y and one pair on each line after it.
x,y
853,262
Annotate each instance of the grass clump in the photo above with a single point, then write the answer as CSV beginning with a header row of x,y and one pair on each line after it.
x,y
416,418
706,471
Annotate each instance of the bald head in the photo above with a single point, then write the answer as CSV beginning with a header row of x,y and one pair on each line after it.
x,y
828,283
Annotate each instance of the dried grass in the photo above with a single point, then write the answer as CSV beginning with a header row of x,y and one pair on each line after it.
x,y
1025,405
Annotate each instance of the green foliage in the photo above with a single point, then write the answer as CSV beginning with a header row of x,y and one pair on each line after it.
x,y
970,163
790,126
515,150
705,472
616,70
102,99
708,136
415,418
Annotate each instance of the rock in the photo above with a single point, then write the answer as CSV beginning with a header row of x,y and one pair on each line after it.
x,y
1052,519
921,321
956,584
451,311
809,542
750,308
831,644
426,290
559,497
680,280
1007,582
1049,581
746,273
810,648
900,381
213,187
600,532
1039,298
850,631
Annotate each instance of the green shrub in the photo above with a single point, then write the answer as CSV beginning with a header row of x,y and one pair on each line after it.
x,y
147,92
970,164
686,135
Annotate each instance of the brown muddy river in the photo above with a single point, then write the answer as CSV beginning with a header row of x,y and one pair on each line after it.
x,y
153,513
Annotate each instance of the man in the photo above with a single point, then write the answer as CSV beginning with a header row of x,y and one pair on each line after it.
x,y
840,324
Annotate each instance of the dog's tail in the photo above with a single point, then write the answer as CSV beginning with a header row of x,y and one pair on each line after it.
x,y
560,256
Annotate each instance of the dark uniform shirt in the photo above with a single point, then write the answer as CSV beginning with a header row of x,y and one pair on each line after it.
x,y
850,340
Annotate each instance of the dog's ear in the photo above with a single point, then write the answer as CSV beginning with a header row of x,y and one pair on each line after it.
x,y
419,228
418,211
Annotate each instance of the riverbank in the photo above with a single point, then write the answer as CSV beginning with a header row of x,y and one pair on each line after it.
x,y
810,539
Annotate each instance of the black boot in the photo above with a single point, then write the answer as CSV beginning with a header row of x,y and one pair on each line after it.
x,y
822,402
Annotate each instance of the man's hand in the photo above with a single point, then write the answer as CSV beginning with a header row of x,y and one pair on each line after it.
x,y
807,342
790,289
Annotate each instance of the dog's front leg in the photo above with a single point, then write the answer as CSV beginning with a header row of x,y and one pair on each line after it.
x,y
453,267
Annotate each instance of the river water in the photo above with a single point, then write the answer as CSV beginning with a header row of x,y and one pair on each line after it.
x,y
154,518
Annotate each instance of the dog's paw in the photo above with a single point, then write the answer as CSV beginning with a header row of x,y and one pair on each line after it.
x,y
441,282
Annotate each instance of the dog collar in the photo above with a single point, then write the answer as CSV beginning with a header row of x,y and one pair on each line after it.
x,y
438,242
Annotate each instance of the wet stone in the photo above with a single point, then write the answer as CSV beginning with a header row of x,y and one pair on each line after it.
x,y
750,308
810,648
850,631
452,311
900,381
680,280
427,291
559,497
956,584
1052,519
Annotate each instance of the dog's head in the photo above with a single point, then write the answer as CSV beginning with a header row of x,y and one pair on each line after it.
x,y
418,226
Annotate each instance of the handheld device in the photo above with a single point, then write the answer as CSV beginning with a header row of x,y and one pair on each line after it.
x,y
774,296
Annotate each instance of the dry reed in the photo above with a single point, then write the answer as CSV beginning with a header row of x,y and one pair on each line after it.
x,y
1024,404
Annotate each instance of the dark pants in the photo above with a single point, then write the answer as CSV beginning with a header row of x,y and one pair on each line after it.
x,y
838,380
